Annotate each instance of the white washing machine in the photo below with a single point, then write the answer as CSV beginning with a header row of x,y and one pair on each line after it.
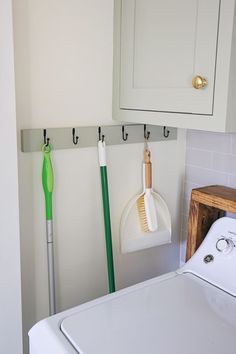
x,y
190,311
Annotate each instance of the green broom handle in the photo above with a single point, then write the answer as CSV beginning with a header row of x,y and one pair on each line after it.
x,y
107,218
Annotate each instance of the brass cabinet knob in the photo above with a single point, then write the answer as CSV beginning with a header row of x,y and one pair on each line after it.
x,y
199,82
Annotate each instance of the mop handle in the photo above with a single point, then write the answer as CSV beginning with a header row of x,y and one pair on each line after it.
x,y
106,212
48,181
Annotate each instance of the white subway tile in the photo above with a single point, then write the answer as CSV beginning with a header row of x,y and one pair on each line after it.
x,y
222,162
210,141
233,137
188,186
203,177
232,181
232,166
198,157
210,159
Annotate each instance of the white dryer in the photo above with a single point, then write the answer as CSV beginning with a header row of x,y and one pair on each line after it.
x,y
190,311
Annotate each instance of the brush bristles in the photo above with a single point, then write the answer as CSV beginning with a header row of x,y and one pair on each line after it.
x,y
142,214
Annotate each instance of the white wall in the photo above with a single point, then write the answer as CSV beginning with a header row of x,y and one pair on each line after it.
x,y
63,55
10,293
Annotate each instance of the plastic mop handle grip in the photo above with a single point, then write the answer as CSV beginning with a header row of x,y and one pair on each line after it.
x,y
47,180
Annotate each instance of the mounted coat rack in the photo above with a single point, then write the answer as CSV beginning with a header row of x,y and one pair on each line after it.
x,y
80,137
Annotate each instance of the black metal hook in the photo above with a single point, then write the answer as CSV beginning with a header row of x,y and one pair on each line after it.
x,y
45,139
166,132
75,139
101,138
146,134
124,135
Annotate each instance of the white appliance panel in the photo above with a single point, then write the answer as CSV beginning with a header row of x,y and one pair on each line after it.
x,y
221,268
191,311
167,317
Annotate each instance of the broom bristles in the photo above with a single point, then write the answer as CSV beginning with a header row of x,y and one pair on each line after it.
x,y
142,214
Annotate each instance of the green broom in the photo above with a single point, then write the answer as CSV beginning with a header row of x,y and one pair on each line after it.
x,y
106,212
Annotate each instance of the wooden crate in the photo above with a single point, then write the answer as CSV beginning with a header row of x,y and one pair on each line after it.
x,y
207,205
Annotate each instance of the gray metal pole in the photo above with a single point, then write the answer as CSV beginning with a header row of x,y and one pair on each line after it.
x,y
51,271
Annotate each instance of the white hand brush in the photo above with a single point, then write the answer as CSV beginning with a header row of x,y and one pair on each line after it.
x,y
145,203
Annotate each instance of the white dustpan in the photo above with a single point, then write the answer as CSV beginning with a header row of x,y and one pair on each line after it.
x,y
131,235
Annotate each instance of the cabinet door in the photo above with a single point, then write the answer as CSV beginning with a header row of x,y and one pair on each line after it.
x,y
164,45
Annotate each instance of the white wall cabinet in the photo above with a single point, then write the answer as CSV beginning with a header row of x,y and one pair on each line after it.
x,y
160,47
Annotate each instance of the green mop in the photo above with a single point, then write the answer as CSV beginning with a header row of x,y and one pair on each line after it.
x,y
47,180
106,212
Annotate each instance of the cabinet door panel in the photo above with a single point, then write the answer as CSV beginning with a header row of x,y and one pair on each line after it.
x,y
164,44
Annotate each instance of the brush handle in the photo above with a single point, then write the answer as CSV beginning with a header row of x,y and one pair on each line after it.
x,y
148,169
148,175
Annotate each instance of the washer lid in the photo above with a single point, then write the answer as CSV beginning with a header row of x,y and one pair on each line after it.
x,y
180,315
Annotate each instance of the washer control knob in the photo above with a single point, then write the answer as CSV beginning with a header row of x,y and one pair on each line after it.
x,y
224,245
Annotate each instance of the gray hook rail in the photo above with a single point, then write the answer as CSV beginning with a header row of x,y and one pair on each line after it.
x,y
80,137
